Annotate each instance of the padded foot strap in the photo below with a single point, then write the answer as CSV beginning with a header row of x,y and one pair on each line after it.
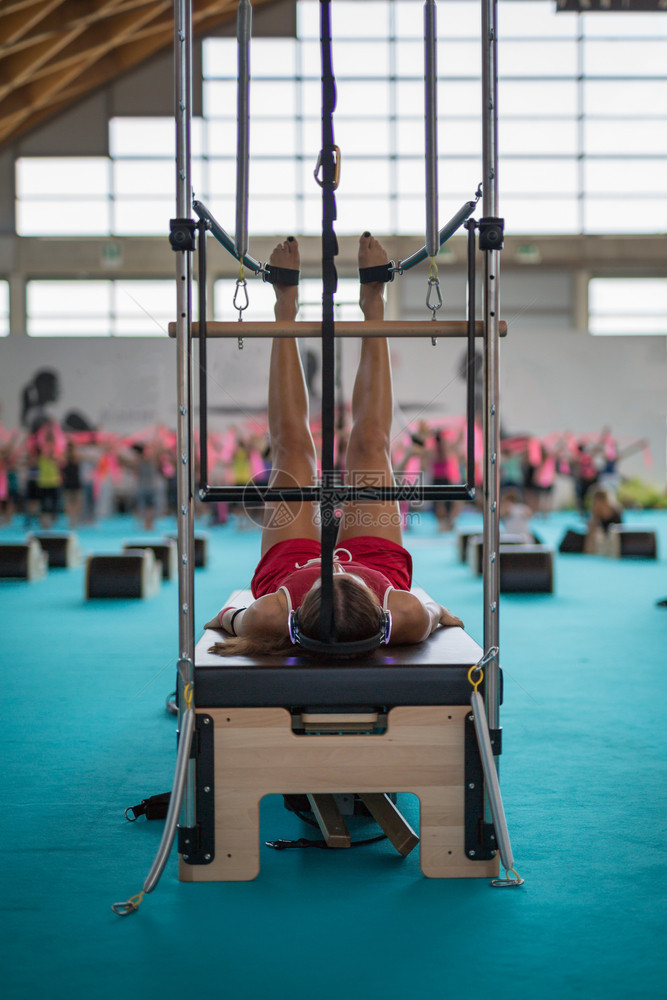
x,y
383,272
281,275
155,807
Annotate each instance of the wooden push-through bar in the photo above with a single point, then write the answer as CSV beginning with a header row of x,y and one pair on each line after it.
x,y
345,328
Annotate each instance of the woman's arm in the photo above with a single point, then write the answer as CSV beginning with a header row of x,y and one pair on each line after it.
x,y
413,620
265,616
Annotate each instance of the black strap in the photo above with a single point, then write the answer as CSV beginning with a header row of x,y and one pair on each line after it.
x,y
154,807
231,620
355,647
329,524
281,845
382,272
281,275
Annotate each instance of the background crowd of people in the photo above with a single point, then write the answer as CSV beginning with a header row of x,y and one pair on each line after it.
x,y
80,476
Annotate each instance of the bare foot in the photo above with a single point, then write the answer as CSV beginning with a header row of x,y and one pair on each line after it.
x,y
371,296
286,255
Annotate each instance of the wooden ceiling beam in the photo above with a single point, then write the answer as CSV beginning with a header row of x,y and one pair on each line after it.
x,y
87,59
91,73
22,20
27,62
98,39
77,13
82,59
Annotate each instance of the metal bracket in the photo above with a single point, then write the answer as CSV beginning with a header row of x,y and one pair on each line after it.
x,y
480,839
197,844
182,234
496,737
491,233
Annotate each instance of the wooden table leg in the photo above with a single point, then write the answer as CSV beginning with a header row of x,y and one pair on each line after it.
x,y
387,816
330,820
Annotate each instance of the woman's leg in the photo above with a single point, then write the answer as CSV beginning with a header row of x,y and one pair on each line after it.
x,y
368,459
294,459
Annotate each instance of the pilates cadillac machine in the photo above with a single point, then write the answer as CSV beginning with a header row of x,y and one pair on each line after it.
x,y
404,719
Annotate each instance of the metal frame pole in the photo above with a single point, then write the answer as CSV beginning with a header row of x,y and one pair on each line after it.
x,y
243,35
491,421
431,118
184,425
471,354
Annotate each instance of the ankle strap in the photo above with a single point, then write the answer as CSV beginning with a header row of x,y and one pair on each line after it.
x,y
382,272
281,275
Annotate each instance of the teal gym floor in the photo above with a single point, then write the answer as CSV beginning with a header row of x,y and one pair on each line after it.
x,y
86,734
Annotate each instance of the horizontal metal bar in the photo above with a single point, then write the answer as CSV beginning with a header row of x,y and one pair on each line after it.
x,y
344,328
413,493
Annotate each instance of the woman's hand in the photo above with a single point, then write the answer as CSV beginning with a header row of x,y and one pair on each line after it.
x,y
447,619
219,620
267,614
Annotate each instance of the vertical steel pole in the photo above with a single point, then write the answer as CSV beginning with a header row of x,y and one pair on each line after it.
x,y
431,128
243,35
491,421
471,355
184,426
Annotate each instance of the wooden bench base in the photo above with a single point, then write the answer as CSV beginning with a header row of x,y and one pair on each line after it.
x,y
627,541
132,573
526,569
165,551
257,753
23,560
62,548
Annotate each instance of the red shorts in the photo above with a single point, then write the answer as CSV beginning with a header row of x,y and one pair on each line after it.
x,y
379,554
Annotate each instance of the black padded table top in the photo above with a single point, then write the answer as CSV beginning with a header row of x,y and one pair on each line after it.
x,y
434,672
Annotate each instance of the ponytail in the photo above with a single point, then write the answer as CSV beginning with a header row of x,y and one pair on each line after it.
x,y
252,645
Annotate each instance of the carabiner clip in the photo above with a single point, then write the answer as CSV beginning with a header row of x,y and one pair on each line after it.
x,y
241,305
433,283
241,288
318,165
478,668
486,659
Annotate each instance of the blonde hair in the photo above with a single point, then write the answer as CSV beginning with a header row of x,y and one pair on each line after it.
x,y
357,615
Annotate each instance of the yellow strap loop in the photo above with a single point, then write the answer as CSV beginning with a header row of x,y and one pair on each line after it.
x,y
433,269
475,669
187,696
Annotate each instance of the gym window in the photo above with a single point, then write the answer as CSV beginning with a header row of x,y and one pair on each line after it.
x,y
627,306
582,100
120,308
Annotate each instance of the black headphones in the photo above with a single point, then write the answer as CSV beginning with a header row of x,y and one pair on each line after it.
x,y
353,648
